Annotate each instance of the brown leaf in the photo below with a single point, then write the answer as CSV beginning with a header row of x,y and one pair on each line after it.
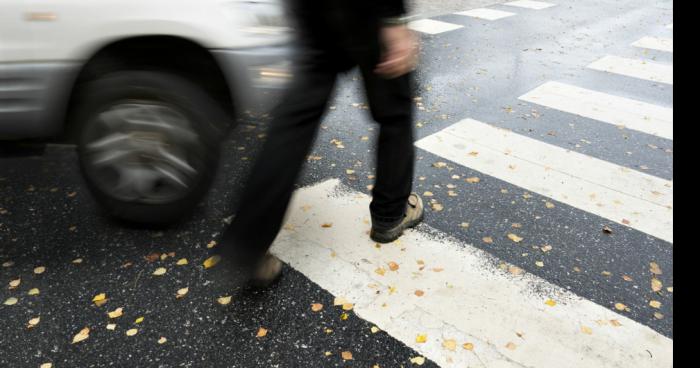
x,y
346,355
316,307
262,332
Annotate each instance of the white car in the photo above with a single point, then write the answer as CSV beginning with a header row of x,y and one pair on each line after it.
x,y
146,88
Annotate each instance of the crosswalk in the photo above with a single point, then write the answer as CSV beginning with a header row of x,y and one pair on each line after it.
x,y
481,311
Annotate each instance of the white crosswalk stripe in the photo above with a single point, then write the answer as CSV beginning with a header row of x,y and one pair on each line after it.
x,y
430,26
487,14
655,43
620,111
528,4
468,297
642,69
619,194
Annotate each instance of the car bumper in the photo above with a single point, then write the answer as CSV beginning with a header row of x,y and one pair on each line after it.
x,y
257,76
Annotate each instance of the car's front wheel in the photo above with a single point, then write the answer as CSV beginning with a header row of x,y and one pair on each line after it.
x,y
148,144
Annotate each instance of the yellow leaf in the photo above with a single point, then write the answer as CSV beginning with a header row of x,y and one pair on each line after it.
x,y
346,355
182,262
115,313
347,306
468,346
655,269
655,304
15,283
549,204
450,344
33,291
374,329
46,365
487,239
344,316
261,332
182,292
515,238
316,307
380,271
587,330
131,332
419,360
111,326
339,300
539,264
211,244
10,301
99,297
421,338
472,180
160,271
212,261
39,270
615,323
33,322
162,340
427,194
139,320
620,306
656,285
224,300
82,335
550,302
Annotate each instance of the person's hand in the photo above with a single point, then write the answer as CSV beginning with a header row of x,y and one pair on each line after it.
x,y
400,51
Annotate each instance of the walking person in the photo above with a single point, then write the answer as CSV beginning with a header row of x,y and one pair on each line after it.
x,y
335,36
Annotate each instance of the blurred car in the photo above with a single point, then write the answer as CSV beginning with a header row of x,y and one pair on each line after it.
x,y
146,89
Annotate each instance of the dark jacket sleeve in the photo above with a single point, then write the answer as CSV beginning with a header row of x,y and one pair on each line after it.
x,y
391,8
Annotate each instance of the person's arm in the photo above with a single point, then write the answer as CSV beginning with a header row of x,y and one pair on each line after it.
x,y
400,44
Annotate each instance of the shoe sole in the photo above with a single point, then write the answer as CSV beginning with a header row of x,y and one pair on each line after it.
x,y
391,235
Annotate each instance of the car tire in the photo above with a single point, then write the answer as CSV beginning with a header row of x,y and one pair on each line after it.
x,y
148,144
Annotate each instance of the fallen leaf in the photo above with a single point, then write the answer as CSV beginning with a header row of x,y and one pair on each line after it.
x,y
440,165
464,225
162,340
262,332
347,306
468,346
487,239
472,180
587,330
100,299
160,271
421,338
658,315
77,261
419,360
211,244
655,304
152,257
224,300
111,326
607,230
437,207
46,365
8,264
344,316
131,332
539,264
380,271
39,270
115,313
419,293
212,261
626,278
33,291
10,301
182,292
450,344
620,306
327,224
82,335
515,238
15,283
427,194
339,300
655,269
615,323
182,262
316,307
515,270
438,269
393,266
33,322
550,302
511,346
346,355
549,204
656,285
139,320
374,329
546,248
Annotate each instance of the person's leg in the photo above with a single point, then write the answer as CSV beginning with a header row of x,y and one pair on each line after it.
x,y
269,188
390,104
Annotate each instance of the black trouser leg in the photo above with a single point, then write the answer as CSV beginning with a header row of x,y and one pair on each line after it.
x,y
271,183
390,104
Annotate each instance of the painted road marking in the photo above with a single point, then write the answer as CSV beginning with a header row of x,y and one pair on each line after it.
x,y
536,5
635,199
655,43
432,26
620,111
487,14
468,297
635,68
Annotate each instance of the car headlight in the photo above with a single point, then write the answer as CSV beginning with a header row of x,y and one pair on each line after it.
x,y
261,17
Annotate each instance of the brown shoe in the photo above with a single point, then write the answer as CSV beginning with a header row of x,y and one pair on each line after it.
x,y
268,270
413,216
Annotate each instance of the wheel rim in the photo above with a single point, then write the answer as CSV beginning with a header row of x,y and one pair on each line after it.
x,y
143,151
